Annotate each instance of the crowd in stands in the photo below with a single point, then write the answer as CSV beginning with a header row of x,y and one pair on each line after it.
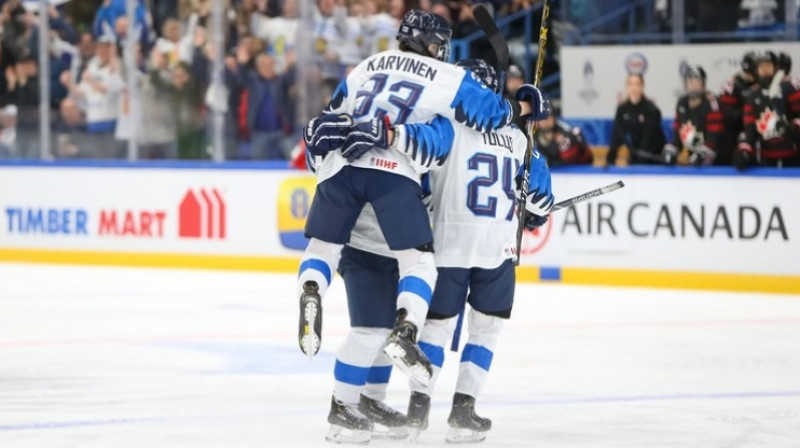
x,y
93,113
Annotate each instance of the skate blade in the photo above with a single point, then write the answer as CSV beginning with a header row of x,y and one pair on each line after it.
x,y
387,432
416,372
310,341
463,435
413,434
341,435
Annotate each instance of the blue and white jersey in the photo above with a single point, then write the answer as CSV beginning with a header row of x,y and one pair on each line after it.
x,y
474,199
409,88
473,192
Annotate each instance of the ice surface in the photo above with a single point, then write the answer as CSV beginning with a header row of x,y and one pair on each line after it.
x,y
112,357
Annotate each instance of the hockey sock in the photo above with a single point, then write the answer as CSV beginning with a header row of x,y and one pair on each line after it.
x,y
378,377
318,264
476,358
417,280
354,361
432,341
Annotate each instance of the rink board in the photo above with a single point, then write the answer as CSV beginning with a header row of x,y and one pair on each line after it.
x,y
710,229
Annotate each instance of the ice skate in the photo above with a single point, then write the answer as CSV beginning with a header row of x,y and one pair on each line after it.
x,y
310,337
387,422
348,424
465,425
402,349
419,406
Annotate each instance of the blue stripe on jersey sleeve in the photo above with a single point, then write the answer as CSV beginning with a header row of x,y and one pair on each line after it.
x,y
337,98
430,143
478,107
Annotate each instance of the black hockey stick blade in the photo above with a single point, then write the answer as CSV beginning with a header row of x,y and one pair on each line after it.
x,y
588,195
496,40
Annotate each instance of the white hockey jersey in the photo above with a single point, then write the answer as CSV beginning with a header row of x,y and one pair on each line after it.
x,y
474,198
409,88
473,195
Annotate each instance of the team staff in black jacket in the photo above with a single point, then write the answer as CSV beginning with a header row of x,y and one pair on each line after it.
x,y
637,125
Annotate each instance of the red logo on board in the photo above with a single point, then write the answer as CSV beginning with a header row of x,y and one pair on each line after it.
x,y
533,241
202,215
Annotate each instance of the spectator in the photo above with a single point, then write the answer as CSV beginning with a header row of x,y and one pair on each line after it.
x,y
23,91
637,126
185,97
8,131
280,33
330,28
381,24
102,105
514,79
108,15
265,99
698,122
561,143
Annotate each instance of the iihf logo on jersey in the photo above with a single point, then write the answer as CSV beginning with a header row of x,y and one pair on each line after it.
x,y
378,162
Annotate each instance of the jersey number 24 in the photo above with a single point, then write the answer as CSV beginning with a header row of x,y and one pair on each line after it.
x,y
488,208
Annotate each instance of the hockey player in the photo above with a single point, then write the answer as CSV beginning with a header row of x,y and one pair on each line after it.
x,y
698,122
771,119
474,198
410,85
370,277
561,143
731,102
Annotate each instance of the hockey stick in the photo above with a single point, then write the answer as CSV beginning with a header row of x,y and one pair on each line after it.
x,y
496,40
588,195
500,48
537,81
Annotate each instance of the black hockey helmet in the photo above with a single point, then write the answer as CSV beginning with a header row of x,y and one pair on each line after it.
x,y
749,63
784,63
419,29
485,72
695,71
765,56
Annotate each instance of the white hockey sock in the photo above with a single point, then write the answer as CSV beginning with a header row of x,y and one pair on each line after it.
x,y
417,280
432,341
378,377
354,360
476,358
318,264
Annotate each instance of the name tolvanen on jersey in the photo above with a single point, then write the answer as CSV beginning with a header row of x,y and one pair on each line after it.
x,y
402,63
502,141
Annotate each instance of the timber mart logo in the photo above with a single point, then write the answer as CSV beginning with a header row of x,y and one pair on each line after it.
x,y
202,214
534,240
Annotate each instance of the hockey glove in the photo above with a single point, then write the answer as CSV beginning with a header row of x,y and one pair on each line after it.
x,y
534,222
366,136
702,155
326,133
670,153
741,159
537,99
540,197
